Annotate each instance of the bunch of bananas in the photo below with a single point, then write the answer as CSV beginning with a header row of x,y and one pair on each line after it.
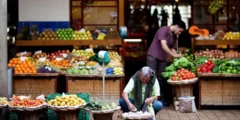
x,y
215,6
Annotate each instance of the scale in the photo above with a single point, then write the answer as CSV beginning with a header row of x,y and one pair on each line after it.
x,y
103,57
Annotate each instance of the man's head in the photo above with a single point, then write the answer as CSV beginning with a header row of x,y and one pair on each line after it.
x,y
146,73
178,27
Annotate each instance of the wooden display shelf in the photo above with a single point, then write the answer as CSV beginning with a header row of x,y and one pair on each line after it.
x,y
212,42
217,42
38,74
94,76
67,42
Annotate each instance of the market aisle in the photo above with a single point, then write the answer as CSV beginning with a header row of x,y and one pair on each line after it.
x,y
168,113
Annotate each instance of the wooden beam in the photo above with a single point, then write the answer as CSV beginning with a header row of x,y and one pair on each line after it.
x,y
217,42
67,42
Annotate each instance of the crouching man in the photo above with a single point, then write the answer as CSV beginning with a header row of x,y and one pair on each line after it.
x,y
142,88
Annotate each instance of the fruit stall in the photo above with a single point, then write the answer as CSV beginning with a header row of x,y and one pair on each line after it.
x,y
37,71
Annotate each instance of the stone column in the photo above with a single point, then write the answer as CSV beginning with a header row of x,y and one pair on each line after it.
x,y
3,48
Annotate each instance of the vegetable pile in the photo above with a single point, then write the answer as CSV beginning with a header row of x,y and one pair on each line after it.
x,y
186,53
212,54
177,64
227,66
206,67
183,74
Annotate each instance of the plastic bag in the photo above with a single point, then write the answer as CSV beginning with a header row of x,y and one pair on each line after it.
x,y
187,104
150,109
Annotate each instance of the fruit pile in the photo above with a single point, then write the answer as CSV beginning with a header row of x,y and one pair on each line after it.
x,y
112,35
96,106
70,100
59,53
206,67
83,71
83,53
39,55
47,35
232,36
65,34
79,35
114,55
26,102
25,66
3,101
183,74
61,63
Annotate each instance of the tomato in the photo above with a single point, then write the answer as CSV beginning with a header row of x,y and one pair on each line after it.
x,y
181,78
182,69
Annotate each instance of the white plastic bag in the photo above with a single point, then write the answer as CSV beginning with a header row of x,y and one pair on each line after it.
x,y
187,104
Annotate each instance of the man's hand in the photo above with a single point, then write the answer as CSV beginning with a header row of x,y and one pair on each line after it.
x,y
148,101
177,55
131,107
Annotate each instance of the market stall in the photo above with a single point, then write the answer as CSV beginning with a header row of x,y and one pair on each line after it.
x,y
79,66
219,85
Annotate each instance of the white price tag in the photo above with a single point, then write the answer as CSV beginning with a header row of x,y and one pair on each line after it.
x,y
64,55
23,58
59,59
23,53
42,59
38,52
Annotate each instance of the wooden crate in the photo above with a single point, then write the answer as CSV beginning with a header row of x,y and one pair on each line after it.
x,y
34,86
211,91
93,86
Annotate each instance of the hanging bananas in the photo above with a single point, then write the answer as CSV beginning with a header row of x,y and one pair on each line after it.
x,y
215,6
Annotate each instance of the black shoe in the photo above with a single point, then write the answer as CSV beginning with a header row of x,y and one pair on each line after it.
x,y
165,104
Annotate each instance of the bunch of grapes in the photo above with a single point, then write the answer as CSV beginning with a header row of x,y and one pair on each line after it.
x,y
215,6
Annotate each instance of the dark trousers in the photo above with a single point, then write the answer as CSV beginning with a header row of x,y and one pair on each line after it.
x,y
158,66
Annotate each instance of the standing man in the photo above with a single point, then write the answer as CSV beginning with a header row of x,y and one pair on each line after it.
x,y
161,47
142,88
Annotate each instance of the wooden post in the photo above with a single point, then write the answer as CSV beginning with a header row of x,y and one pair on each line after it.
x,y
3,48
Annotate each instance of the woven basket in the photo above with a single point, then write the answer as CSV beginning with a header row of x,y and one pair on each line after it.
x,y
23,108
66,108
182,82
103,111
211,91
34,86
141,118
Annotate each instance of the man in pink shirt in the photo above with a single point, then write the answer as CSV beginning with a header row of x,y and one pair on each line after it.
x,y
163,45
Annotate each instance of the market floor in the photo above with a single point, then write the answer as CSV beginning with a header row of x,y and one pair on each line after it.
x,y
168,113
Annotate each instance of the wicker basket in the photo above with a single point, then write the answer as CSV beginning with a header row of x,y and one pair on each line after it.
x,y
104,111
22,108
94,88
34,86
211,91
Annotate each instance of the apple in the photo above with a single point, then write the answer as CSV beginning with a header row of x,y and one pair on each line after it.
x,y
63,51
67,51
59,51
